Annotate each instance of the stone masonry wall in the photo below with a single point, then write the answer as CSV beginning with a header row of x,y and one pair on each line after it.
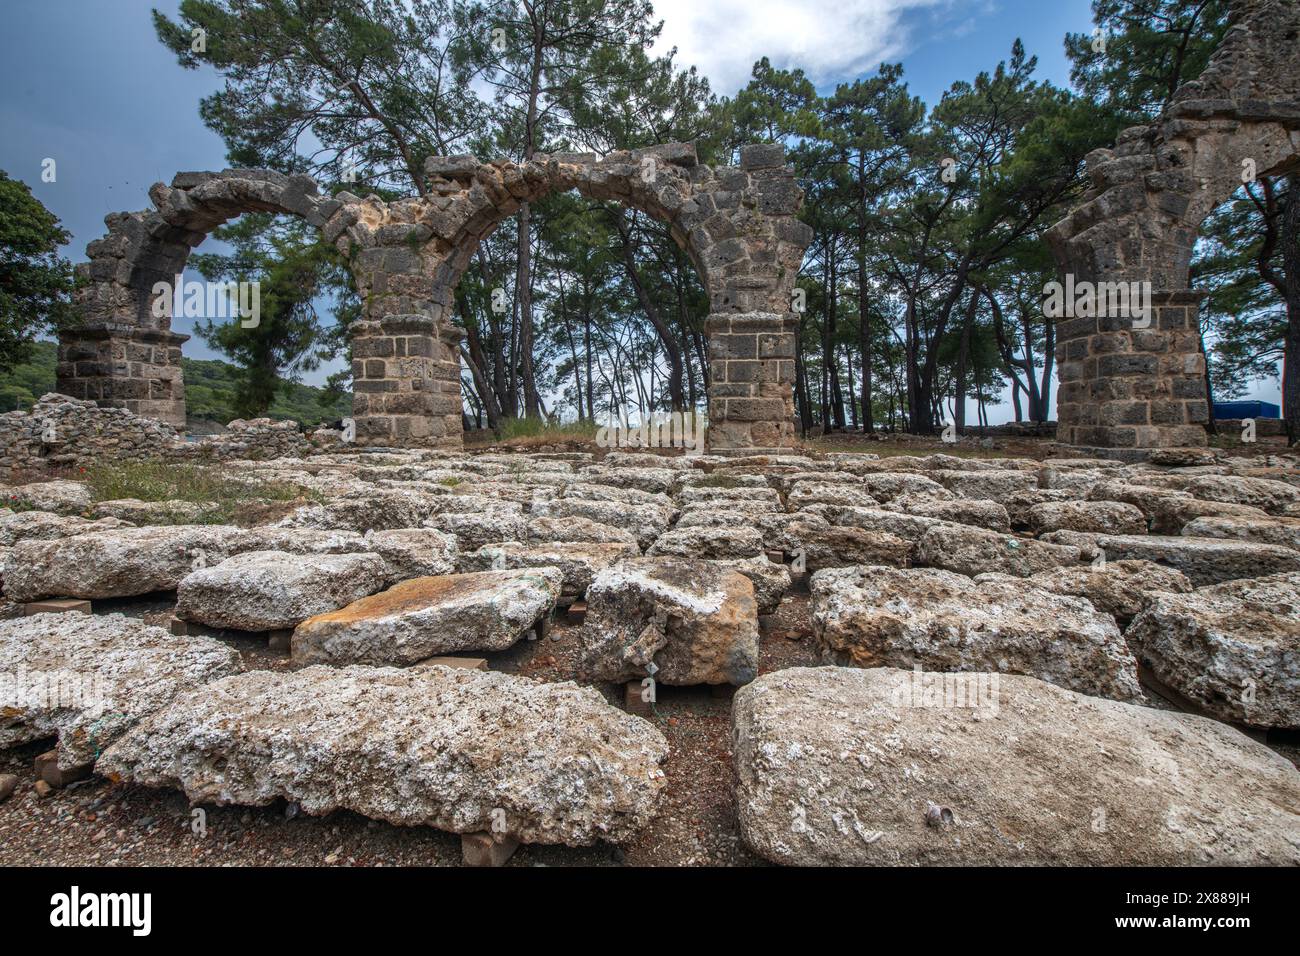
x,y
751,401
65,433
1126,387
122,366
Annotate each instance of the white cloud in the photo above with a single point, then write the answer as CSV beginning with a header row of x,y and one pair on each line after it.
x,y
831,40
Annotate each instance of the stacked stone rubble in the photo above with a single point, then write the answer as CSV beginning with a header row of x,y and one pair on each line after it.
x,y
61,433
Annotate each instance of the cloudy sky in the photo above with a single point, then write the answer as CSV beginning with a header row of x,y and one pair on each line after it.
x,y
86,83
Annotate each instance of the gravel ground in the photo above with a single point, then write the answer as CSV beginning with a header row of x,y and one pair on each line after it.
x,y
96,822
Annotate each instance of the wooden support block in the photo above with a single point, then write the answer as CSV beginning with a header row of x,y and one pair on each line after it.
x,y
57,606
634,703
776,557
543,627
578,611
47,769
181,627
279,641
468,663
485,849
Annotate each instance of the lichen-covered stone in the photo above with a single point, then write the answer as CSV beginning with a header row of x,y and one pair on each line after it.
x,y
431,746
973,551
425,617
709,542
1203,560
413,552
695,621
806,493
1120,588
274,590
120,563
549,530
886,486
986,484
1104,517
372,509
1279,530
1263,493
978,512
44,526
59,495
644,522
841,766
88,679
472,530
1232,648
577,561
770,580
941,621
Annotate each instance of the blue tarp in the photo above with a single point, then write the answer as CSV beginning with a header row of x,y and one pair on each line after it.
x,y
1246,410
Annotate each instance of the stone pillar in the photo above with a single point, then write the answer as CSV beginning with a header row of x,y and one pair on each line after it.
x,y
751,398
448,404
120,365
751,246
1130,387
403,370
405,362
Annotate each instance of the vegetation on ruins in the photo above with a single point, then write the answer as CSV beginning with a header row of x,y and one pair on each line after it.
x,y
221,496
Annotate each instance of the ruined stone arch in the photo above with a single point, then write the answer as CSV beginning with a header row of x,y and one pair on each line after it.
x,y
1127,385
123,355
737,224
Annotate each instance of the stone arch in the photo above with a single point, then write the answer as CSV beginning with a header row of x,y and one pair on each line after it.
x,y
1136,385
123,355
738,225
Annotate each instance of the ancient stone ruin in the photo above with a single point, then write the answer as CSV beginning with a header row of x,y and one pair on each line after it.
x,y
1138,381
903,658
360,655
59,433
1128,381
737,224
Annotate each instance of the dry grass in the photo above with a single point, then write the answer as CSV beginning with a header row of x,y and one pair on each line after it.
x,y
525,433
222,496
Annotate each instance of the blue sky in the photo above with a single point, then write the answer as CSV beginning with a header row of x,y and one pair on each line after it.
x,y
86,83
